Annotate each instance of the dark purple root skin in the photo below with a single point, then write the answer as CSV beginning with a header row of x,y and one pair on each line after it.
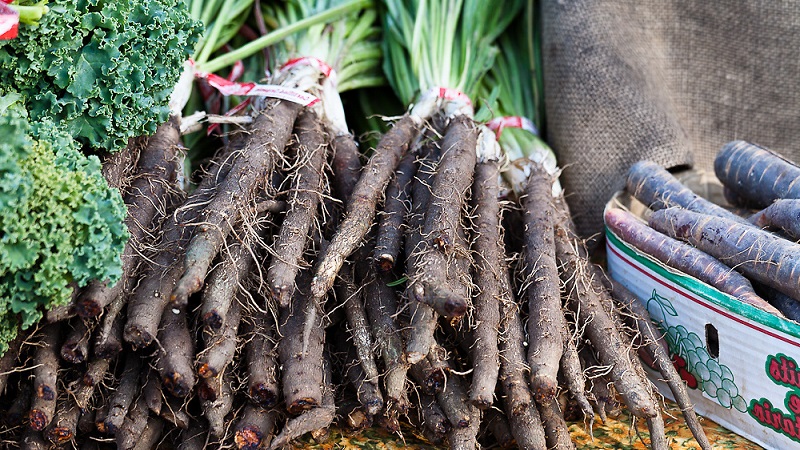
x,y
194,438
652,185
75,349
433,418
518,403
254,429
783,214
262,365
123,397
756,174
18,411
358,324
133,426
152,392
160,273
43,404
118,166
756,253
302,374
683,257
498,426
148,302
108,338
216,410
423,317
9,359
220,346
155,174
785,304
33,440
314,421
235,262
381,308
575,379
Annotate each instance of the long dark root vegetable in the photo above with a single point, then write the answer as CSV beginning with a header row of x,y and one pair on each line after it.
x,y
783,214
591,302
652,185
268,136
390,227
438,248
756,174
488,273
363,201
652,342
684,257
305,197
546,325
758,254
45,384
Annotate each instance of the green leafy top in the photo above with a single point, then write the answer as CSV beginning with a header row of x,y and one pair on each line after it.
x,y
348,44
513,87
61,225
102,70
442,43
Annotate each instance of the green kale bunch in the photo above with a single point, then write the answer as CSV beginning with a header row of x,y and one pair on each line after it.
x,y
102,70
61,225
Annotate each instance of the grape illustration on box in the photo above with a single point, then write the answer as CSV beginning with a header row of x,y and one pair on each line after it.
x,y
692,360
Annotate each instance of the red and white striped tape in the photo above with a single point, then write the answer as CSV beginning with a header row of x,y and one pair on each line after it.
x,y
453,95
9,21
226,87
321,65
498,124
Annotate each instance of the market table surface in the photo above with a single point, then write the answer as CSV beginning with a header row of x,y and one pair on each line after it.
x,y
616,433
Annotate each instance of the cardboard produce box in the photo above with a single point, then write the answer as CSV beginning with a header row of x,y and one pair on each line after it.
x,y
741,364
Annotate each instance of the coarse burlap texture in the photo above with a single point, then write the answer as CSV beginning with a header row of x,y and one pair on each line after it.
x,y
665,80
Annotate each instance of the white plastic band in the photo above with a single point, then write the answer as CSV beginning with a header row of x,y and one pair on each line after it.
x,y
226,87
451,101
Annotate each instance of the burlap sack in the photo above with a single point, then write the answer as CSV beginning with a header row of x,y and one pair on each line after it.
x,y
665,80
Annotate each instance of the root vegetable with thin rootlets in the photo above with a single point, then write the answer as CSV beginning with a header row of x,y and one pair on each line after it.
x,y
284,284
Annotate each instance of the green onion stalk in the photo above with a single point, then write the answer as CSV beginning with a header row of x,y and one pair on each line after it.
x,y
348,45
222,20
29,12
514,89
433,44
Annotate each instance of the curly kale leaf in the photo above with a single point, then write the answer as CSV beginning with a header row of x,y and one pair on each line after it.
x,y
103,70
61,225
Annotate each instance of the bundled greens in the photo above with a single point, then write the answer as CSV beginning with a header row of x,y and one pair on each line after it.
x,y
101,70
61,224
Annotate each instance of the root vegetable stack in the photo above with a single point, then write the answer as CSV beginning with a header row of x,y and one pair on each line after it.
x,y
708,242
291,287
